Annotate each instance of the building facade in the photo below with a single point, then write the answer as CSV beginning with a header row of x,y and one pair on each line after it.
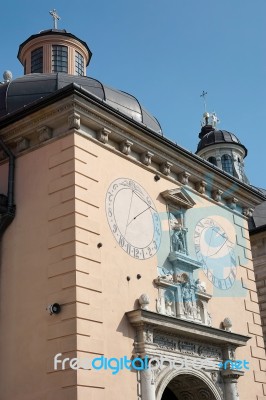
x,y
122,245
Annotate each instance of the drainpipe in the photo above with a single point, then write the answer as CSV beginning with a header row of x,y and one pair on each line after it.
x,y
7,206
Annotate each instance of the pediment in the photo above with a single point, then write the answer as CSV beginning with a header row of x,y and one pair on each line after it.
x,y
178,197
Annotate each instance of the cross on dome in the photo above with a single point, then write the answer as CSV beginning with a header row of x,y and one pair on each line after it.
x,y
55,16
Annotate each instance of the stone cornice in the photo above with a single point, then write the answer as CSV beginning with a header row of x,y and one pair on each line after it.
x,y
142,318
132,140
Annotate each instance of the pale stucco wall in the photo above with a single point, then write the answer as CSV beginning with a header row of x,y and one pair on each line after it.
x,y
50,254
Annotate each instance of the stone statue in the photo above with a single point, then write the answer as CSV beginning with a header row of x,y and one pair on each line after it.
x,y
209,319
178,239
168,307
187,300
168,277
200,285
198,311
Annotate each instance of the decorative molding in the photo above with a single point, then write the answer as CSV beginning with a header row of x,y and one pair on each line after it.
x,y
183,177
144,301
103,135
165,167
232,202
227,324
248,212
94,117
74,121
23,144
217,195
125,147
45,133
201,186
181,327
146,158
186,346
178,197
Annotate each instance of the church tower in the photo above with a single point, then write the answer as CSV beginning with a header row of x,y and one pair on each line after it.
x,y
221,148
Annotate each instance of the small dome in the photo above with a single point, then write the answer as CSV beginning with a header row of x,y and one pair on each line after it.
x,y
214,137
52,32
23,91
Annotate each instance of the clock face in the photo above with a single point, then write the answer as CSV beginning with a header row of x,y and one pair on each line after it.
x,y
133,218
215,251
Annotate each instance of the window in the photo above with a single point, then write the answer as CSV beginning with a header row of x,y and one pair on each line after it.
x,y
212,160
79,64
59,59
227,164
36,60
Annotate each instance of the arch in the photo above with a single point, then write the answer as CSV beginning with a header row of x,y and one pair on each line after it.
x,y
212,160
227,163
168,375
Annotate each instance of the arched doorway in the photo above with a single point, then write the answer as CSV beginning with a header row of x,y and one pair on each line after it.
x,y
187,387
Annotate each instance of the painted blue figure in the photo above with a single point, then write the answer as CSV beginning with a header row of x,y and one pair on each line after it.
x,y
178,239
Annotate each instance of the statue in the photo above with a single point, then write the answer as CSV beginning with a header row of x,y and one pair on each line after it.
x,y
209,319
200,285
187,300
178,239
168,307
215,120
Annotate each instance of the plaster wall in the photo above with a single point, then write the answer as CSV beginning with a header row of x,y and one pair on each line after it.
x,y
50,253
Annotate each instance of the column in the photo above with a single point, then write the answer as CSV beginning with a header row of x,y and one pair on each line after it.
x,y
147,385
230,384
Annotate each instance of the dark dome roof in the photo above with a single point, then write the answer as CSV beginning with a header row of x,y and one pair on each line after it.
x,y
22,91
214,137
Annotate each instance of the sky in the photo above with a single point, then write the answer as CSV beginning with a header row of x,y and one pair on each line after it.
x,y
166,53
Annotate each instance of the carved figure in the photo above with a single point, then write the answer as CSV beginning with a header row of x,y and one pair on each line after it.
x,y
159,306
178,239
198,311
215,376
148,336
187,300
209,319
168,307
167,277
201,286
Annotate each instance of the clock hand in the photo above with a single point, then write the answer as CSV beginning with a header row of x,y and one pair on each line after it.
x,y
223,236
220,248
138,215
141,198
128,213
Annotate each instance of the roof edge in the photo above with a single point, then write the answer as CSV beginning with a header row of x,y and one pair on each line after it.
x,y
74,88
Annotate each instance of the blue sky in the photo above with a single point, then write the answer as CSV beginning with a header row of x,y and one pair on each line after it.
x,y
165,53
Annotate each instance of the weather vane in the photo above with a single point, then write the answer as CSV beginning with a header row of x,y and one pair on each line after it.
x,y
203,95
55,17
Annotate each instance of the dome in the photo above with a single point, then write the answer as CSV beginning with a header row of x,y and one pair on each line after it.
x,y
23,91
214,137
52,32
